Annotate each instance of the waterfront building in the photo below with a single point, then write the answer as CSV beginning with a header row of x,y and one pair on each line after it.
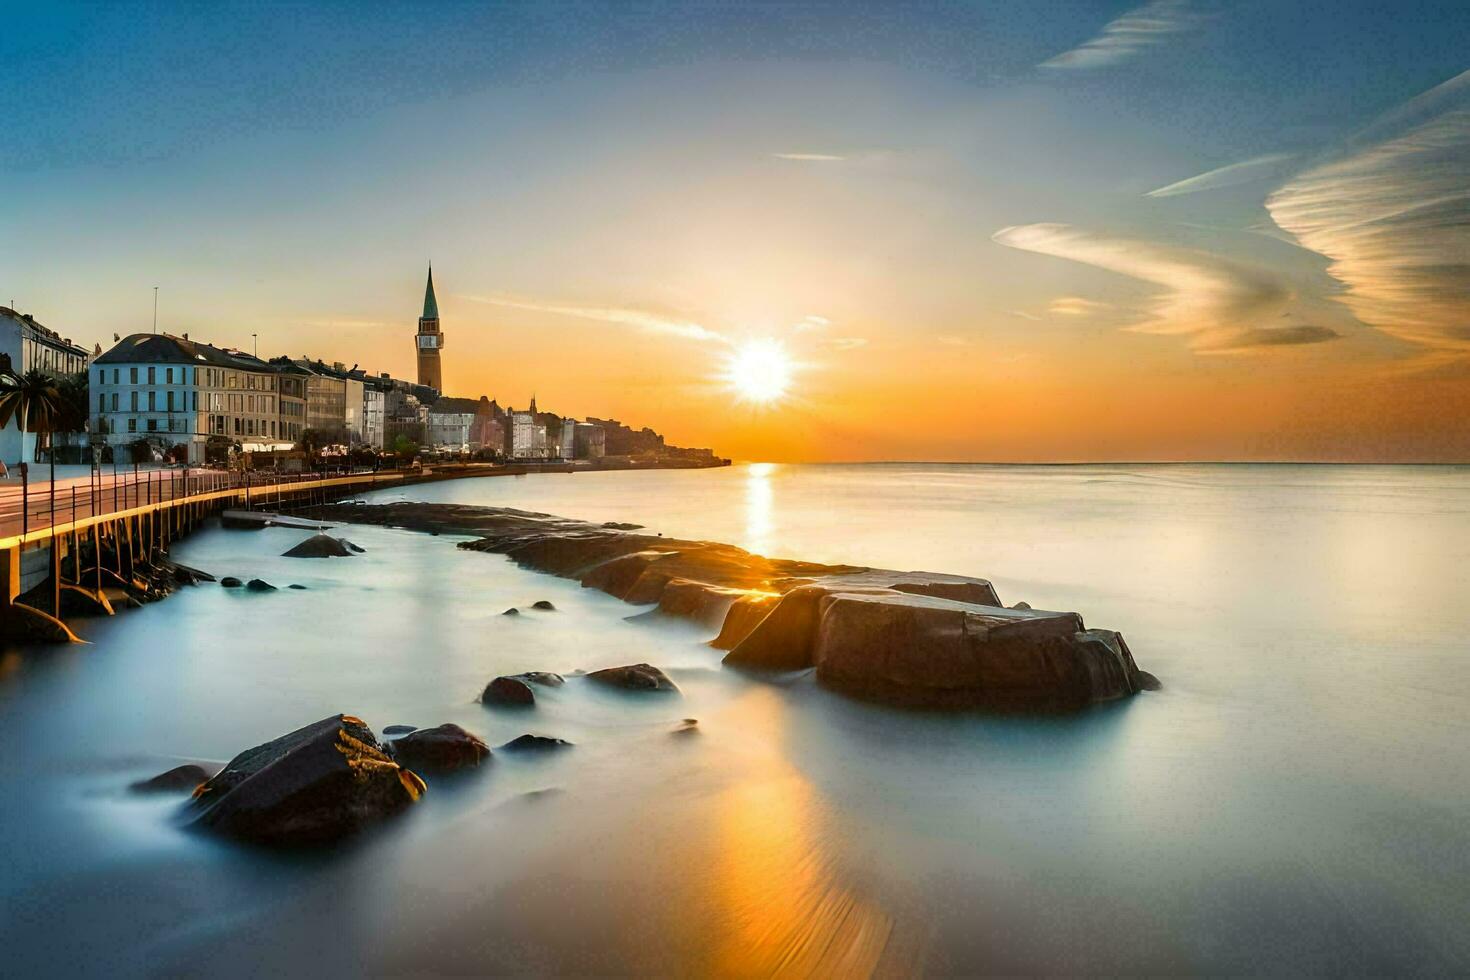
x,y
526,436
291,395
566,439
590,441
429,340
452,423
172,391
26,345
374,396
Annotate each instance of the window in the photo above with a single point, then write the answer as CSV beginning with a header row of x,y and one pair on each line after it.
x,y
168,375
273,428
152,398
132,376
153,425
114,401
193,401
132,425
101,403
237,425
114,375
170,401
133,399
151,373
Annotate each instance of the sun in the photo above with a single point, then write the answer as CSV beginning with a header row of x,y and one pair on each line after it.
x,y
759,371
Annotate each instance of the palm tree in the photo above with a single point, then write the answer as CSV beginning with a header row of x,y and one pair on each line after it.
x,y
38,404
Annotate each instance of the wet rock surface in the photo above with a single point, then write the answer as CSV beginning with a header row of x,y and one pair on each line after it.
x,y
180,779
535,743
315,785
508,692
512,611
544,605
230,582
543,677
447,748
922,639
323,546
399,729
634,677
259,585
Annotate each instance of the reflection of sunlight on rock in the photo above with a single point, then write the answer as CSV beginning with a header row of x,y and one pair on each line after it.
x,y
784,905
758,503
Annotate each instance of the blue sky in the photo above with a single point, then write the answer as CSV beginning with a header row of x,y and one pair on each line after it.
x,y
1101,190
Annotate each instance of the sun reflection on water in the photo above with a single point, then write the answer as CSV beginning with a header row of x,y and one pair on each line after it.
x,y
759,504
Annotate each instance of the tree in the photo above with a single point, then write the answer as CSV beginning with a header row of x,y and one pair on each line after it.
x,y
36,401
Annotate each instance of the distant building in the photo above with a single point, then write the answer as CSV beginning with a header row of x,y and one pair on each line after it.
x,y
429,340
452,424
566,439
527,437
26,345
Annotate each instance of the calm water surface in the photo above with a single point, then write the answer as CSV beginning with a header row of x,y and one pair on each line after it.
x,y
1295,799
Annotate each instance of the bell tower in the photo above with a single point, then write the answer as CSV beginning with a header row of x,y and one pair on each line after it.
x,y
429,340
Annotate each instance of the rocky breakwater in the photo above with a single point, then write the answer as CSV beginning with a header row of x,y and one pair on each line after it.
x,y
921,639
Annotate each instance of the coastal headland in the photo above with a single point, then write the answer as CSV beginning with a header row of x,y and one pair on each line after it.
x,y
910,638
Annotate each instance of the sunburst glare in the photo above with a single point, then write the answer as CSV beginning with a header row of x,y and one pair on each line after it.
x,y
759,372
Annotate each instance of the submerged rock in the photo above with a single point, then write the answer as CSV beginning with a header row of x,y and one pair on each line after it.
x,y
293,585
442,749
322,546
512,611
508,691
689,726
399,729
535,743
314,785
180,779
634,677
259,585
543,604
230,582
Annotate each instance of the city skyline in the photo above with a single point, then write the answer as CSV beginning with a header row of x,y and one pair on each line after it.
x,y
1055,232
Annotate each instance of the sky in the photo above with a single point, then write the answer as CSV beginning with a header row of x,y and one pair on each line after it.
x,y
1001,231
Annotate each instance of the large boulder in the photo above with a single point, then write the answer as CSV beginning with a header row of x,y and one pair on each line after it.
x,y
634,677
508,692
315,785
322,546
535,743
909,649
439,750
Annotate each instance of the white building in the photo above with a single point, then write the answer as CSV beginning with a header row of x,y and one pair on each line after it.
x,y
527,437
373,400
566,442
26,345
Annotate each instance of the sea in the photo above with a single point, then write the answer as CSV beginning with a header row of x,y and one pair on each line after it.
x,y
1293,800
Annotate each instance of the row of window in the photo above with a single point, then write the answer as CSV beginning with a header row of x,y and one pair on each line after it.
x,y
169,404
213,377
221,425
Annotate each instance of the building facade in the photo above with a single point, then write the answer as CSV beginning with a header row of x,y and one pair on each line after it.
x,y
25,345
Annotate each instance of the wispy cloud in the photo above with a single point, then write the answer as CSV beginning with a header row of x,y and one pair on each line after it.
x,y
641,319
1023,314
809,157
347,324
1392,213
812,322
1075,306
1121,39
1230,175
848,343
1231,341
950,340
1200,290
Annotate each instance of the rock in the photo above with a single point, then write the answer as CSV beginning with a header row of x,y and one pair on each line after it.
x,y
230,582
259,585
439,750
621,526
916,650
180,779
535,743
543,677
689,726
315,785
634,677
354,548
1021,605
399,729
508,691
512,611
293,585
544,604
321,546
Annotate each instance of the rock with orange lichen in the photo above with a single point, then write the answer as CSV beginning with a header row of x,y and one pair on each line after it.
x,y
315,785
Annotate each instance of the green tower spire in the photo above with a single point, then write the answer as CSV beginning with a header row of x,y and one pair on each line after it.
x,y
431,305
